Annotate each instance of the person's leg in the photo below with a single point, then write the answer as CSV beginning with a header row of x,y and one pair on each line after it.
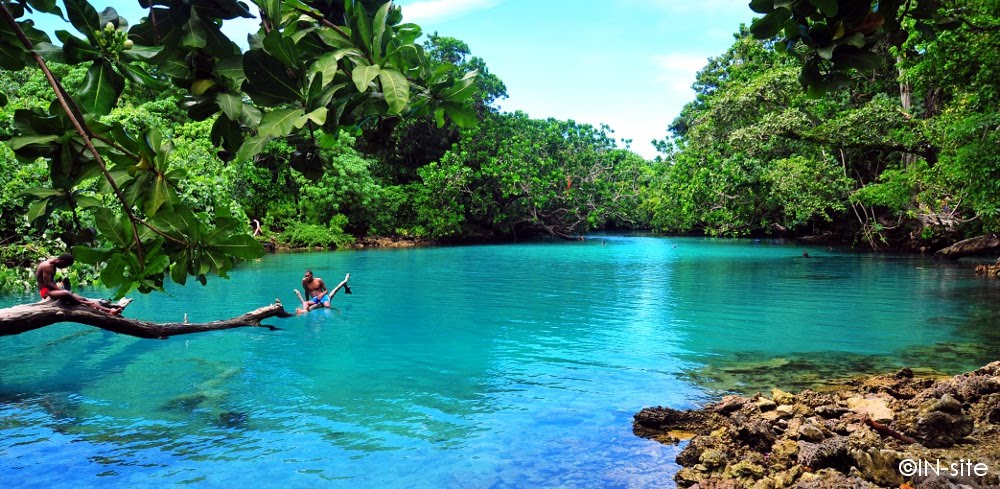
x,y
305,304
69,298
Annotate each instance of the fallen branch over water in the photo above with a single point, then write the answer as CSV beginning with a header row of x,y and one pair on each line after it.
x,y
27,317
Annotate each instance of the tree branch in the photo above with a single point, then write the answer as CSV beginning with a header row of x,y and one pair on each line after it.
x,y
27,317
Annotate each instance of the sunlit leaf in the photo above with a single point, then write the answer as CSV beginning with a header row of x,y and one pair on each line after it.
x,y
364,75
396,90
279,122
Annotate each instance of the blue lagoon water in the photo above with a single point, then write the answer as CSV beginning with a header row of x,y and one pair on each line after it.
x,y
481,366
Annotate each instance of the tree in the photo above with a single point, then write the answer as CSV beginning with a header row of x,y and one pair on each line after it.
x,y
313,68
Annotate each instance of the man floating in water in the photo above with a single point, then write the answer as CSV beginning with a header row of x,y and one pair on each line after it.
x,y
48,288
316,290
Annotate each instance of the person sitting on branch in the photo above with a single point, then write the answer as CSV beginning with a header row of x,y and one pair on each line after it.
x,y
316,290
49,289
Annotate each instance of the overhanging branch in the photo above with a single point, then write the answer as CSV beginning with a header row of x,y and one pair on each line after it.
x,y
27,317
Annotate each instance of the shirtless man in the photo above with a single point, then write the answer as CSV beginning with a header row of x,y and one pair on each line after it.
x,y
316,290
47,286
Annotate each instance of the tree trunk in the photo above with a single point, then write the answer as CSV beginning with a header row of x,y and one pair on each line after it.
x,y
982,245
27,317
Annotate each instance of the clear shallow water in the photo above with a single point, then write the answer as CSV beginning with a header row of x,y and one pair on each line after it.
x,y
486,366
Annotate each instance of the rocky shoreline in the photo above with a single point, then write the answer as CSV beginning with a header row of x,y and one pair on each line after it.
x,y
889,431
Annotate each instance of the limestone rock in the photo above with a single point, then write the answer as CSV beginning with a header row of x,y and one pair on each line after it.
x,y
874,407
830,453
782,397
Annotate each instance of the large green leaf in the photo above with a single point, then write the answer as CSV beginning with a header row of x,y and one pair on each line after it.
x,y
268,82
12,56
396,90
237,245
107,223
231,105
83,16
101,88
193,32
251,147
278,123
30,140
378,25
283,49
317,117
364,75
769,25
762,6
231,68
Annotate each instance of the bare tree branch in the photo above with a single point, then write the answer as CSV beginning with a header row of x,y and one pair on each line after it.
x,y
27,317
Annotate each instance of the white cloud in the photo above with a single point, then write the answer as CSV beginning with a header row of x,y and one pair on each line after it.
x,y
437,10
678,70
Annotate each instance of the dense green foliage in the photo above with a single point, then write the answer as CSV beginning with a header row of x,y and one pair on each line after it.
x,y
897,151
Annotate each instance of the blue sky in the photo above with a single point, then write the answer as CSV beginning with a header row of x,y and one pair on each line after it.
x,y
626,63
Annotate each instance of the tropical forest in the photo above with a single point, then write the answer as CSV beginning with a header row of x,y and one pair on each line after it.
x,y
806,217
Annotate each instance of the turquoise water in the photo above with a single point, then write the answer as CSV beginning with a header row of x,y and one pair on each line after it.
x,y
482,366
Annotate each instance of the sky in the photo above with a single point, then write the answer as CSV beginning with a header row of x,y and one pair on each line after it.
x,y
625,63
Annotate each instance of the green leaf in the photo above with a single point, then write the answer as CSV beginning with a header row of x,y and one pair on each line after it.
x,y
83,16
45,192
93,256
268,82
462,89
769,25
279,122
193,33
50,52
326,65
363,76
107,224
317,116
11,57
138,75
462,115
101,88
379,27
251,147
37,209
858,61
282,49
827,7
158,193
76,50
231,105
231,68
113,274
141,53
179,271
33,139
396,90
238,246
762,6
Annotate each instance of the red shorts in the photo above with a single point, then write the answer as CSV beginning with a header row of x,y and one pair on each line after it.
x,y
44,292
